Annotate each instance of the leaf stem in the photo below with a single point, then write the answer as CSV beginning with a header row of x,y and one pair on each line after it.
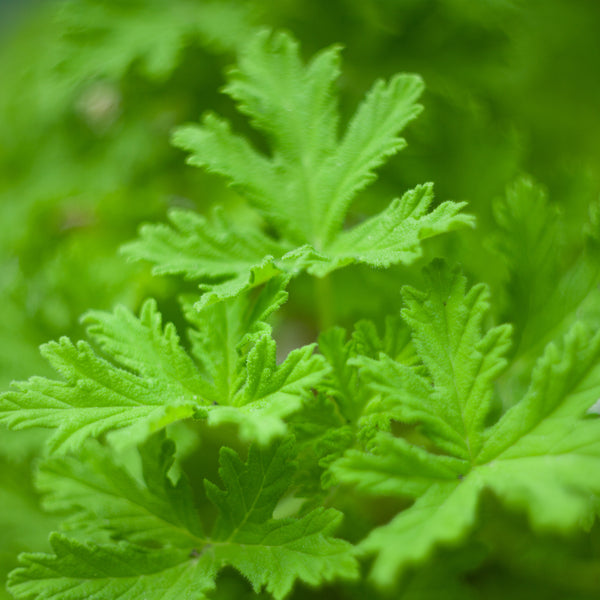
x,y
324,301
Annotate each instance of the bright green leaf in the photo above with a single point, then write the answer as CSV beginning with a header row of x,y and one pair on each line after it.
x,y
303,189
171,557
541,457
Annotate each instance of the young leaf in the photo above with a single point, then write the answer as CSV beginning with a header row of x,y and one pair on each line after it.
x,y
342,383
232,344
152,381
304,188
176,557
541,457
341,406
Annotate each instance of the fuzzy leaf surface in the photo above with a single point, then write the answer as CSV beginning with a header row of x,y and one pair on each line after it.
x,y
302,190
231,375
541,457
96,395
174,556
234,348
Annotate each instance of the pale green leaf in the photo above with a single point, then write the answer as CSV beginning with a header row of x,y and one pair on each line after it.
x,y
229,258
233,346
462,363
442,515
371,138
270,392
93,397
396,234
225,247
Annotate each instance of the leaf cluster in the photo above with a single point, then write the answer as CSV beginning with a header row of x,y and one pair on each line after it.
x,y
202,452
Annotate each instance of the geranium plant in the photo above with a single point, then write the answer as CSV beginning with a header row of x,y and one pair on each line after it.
x,y
378,458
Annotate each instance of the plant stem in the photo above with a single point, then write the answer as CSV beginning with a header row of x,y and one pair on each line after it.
x,y
324,301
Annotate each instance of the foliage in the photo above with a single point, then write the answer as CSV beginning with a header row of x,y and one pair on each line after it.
x,y
171,556
316,174
301,398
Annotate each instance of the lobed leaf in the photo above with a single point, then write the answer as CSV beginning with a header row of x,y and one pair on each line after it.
x,y
231,376
541,457
303,188
124,570
534,247
172,557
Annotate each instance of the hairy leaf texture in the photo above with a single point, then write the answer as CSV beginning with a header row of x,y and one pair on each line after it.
x,y
342,408
541,457
163,552
235,350
304,187
343,384
231,375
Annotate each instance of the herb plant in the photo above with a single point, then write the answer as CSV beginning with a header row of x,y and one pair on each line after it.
x,y
203,460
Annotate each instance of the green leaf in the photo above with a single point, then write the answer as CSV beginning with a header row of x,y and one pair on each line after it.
x,y
233,346
235,258
461,362
322,435
303,189
551,281
226,247
171,557
93,398
541,457
25,525
341,383
102,495
106,38
144,346
218,333
395,235
302,548
124,570
261,482
394,341
371,138
270,392
342,408
154,522
443,515
151,381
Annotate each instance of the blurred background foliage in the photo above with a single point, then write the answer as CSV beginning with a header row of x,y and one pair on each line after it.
x,y
91,90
